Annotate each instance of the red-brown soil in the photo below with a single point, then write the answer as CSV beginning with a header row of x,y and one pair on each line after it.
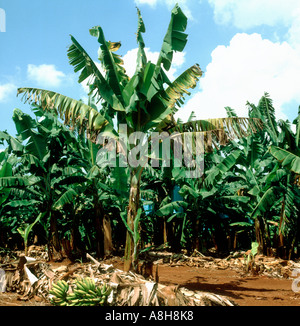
x,y
243,290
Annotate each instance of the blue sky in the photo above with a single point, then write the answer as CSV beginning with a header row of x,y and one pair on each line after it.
x,y
244,47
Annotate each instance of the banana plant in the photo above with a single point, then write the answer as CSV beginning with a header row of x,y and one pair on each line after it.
x,y
24,231
42,145
263,172
145,102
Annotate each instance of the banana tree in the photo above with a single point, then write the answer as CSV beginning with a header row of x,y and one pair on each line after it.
x,y
269,184
288,157
42,148
143,103
280,189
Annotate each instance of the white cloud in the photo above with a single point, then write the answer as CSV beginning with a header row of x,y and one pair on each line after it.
x,y
242,72
246,14
250,13
293,35
250,65
7,90
131,56
45,75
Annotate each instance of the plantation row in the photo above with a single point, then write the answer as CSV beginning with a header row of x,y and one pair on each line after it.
x,y
51,184
55,189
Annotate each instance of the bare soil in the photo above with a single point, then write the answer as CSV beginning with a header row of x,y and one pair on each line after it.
x,y
243,290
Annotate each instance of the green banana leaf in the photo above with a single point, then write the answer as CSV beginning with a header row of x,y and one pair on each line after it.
x,y
26,229
5,171
170,208
287,159
79,58
266,202
66,198
175,38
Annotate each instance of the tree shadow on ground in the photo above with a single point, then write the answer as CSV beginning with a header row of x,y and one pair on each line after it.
x,y
236,289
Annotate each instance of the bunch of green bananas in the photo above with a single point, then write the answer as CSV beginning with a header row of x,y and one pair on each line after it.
x,y
59,290
85,294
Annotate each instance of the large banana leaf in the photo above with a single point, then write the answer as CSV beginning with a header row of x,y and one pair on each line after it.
x,y
220,169
66,198
266,107
112,63
266,202
6,170
186,190
73,112
22,202
253,150
15,145
141,57
25,125
218,131
171,208
141,80
290,207
178,88
287,159
235,127
154,77
79,58
175,38
286,135
8,182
